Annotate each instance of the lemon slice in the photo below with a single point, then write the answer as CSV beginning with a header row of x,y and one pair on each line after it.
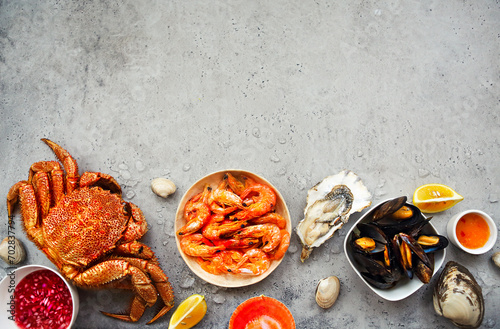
x,y
189,312
432,198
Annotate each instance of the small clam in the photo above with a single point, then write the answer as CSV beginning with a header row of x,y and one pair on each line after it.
x,y
163,187
496,258
327,291
12,251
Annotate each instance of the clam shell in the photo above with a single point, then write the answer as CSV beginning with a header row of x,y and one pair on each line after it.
x,y
458,297
327,291
162,187
12,251
496,258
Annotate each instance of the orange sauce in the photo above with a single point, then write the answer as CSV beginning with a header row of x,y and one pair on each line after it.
x,y
472,231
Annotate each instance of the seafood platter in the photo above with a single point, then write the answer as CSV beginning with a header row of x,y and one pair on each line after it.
x,y
232,229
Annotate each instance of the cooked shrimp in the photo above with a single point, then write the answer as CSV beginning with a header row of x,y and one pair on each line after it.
x,y
216,227
270,234
198,214
234,184
264,202
197,245
280,251
270,217
222,196
221,210
254,261
227,260
237,243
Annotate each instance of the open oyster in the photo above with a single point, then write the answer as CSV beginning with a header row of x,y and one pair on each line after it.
x,y
329,205
458,297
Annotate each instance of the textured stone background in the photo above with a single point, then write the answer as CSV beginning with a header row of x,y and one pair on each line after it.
x,y
402,93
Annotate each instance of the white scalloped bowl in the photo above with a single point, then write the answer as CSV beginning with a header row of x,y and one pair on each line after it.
x,y
404,287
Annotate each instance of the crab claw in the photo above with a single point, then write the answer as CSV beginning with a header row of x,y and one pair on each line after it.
x,y
68,162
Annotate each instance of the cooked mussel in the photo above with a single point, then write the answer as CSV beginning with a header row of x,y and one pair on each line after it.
x,y
432,243
388,208
410,225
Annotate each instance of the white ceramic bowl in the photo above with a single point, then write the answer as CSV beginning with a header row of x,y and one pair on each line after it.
x,y
452,232
13,278
226,280
404,287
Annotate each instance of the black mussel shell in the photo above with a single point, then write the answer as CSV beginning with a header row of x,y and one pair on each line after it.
x,y
372,231
422,271
388,208
379,281
410,226
415,248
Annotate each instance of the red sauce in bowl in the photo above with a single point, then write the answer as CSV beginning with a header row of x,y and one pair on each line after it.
x,y
472,231
43,300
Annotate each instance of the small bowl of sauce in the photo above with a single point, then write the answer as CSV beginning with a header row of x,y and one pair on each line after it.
x,y
473,231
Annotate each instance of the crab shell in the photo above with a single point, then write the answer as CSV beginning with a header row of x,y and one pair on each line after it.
x,y
350,187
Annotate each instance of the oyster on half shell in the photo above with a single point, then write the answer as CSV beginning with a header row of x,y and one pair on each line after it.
x,y
329,205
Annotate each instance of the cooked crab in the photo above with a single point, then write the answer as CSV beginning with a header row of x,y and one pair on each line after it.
x,y
87,230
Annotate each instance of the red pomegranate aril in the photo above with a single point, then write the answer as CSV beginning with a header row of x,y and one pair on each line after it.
x,y
43,300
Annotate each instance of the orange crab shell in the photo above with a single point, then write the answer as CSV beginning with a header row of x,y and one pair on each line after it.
x,y
85,225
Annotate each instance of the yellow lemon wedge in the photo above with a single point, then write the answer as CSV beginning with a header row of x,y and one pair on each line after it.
x,y
189,312
432,198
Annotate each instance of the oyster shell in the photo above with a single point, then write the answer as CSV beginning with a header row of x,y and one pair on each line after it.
x,y
329,205
458,297
327,291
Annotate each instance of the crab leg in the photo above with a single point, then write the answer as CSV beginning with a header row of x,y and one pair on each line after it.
x,y
56,177
116,269
69,164
24,193
13,197
99,179
160,281
42,191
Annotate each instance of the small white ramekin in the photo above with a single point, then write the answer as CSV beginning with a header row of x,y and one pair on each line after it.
x,y
451,230
7,286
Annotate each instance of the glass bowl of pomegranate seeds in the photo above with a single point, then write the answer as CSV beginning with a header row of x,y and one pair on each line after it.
x,y
36,296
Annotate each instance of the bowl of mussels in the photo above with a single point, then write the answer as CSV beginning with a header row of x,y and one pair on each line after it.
x,y
395,249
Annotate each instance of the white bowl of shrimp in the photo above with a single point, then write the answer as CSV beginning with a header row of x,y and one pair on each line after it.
x,y
232,228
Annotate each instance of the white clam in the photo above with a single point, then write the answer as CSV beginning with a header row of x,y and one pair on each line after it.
x,y
327,291
163,187
496,258
458,297
12,251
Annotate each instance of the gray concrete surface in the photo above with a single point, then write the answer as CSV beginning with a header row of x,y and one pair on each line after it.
x,y
402,92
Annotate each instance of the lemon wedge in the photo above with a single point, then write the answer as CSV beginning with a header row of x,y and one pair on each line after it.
x,y
432,198
189,312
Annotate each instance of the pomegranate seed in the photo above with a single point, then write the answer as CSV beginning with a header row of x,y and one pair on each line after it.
x,y
49,304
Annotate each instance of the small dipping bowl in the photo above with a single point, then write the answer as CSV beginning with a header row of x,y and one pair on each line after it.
x,y
7,287
451,230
